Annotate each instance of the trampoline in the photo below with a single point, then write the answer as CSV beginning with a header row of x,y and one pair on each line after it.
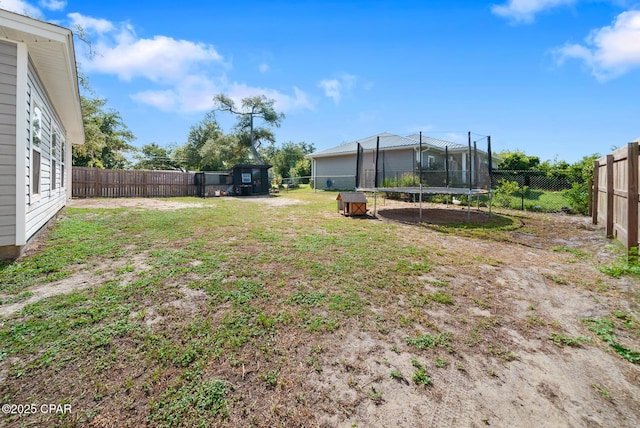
x,y
453,172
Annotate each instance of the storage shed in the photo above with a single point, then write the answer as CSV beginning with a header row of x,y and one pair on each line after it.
x,y
249,179
352,203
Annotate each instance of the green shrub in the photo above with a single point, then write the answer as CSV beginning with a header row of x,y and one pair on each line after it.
x,y
502,195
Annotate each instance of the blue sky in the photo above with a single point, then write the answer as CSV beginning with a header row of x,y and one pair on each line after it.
x,y
554,78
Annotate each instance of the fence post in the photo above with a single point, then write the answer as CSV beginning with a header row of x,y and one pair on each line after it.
x,y
609,217
632,201
596,190
590,197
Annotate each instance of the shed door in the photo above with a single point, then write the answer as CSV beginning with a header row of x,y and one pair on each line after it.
x,y
256,180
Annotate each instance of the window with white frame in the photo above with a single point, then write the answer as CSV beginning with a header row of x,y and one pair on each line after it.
x,y
54,154
62,160
35,172
36,126
53,174
36,157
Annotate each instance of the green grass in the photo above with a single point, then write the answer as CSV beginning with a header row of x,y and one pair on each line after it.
x,y
420,376
185,316
538,200
624,266
576,252
617,322
560,339
443,340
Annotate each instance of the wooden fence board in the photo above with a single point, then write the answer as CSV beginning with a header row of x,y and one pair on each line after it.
x,y
102,183
616,195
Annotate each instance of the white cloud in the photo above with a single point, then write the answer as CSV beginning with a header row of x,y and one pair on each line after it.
x,y
264,67
160,59
53,4
283,102
332,89
91,25
524,11
184,75
162,100
336,88
609,51
21,7
192,94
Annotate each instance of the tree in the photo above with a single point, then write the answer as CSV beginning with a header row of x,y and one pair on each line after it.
x,y
106,137
517,161
251,107
222,153
190,155
152,156
290,157
302,168
581,172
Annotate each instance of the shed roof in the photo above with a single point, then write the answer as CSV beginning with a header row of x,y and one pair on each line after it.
x,y
352,197
52,53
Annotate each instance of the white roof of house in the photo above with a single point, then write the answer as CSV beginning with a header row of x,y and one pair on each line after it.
x,y
52,54
388,141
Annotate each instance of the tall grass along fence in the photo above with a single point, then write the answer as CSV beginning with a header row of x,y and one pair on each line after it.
x,y
615,197
103,183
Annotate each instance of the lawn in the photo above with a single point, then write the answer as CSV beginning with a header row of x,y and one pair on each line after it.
x,y
281,312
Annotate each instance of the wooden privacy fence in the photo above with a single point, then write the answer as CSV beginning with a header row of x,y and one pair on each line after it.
x,y
104,183
615,196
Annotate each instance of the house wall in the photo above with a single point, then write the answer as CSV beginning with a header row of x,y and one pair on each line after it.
x,y
42,206
335,172
393,164
8,61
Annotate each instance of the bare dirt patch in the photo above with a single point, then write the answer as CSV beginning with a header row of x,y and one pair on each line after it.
x,y
271,200
170,205
139,203
80,279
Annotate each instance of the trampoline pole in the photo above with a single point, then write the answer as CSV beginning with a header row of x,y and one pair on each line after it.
x,y
421,200
375,201
490,201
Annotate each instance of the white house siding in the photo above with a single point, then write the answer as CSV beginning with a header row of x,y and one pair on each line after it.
x,y
8,59
40,209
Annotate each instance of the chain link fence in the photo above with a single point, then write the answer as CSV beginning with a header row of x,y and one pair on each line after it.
x,y
545,191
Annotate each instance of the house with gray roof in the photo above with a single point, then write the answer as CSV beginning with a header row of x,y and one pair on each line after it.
x,y
399,160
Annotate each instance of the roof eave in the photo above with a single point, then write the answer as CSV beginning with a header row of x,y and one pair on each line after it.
x,y
58,72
